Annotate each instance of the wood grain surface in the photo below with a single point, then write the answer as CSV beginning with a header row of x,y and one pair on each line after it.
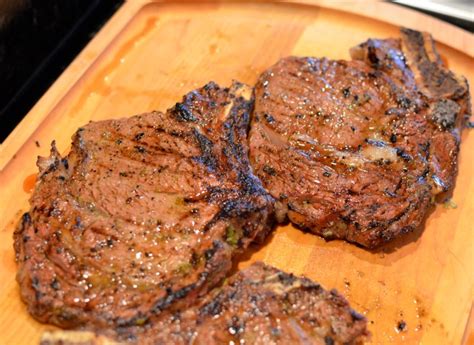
x,y
149,55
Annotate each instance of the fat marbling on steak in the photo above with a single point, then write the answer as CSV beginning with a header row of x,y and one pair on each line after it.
x,y
143,215
357,150
258,305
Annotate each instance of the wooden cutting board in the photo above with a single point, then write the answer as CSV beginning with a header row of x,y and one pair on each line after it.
x,y
150,54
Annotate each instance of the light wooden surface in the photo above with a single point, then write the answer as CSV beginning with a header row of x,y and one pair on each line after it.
x,y
148,56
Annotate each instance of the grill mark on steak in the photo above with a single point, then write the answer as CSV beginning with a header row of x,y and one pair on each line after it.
x,y
125,227
259,305
206,146
356,149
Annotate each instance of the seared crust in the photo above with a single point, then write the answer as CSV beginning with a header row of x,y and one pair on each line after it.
x,y
444,97
143,215
356,150
259,305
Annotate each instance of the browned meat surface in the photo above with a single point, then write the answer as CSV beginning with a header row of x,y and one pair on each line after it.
x,y
356,150
259,305
143,215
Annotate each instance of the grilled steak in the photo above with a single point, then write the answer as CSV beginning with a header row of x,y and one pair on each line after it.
x,y
259,305
143,215
357,149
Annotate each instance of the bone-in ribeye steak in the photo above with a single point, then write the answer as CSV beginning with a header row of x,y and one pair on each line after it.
x,y
259,305
130,233
143,215
357,149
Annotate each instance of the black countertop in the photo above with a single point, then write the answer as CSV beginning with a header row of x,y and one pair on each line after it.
x,y
38,40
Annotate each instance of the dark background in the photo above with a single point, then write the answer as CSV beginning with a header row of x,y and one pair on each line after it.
x,y
40,38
